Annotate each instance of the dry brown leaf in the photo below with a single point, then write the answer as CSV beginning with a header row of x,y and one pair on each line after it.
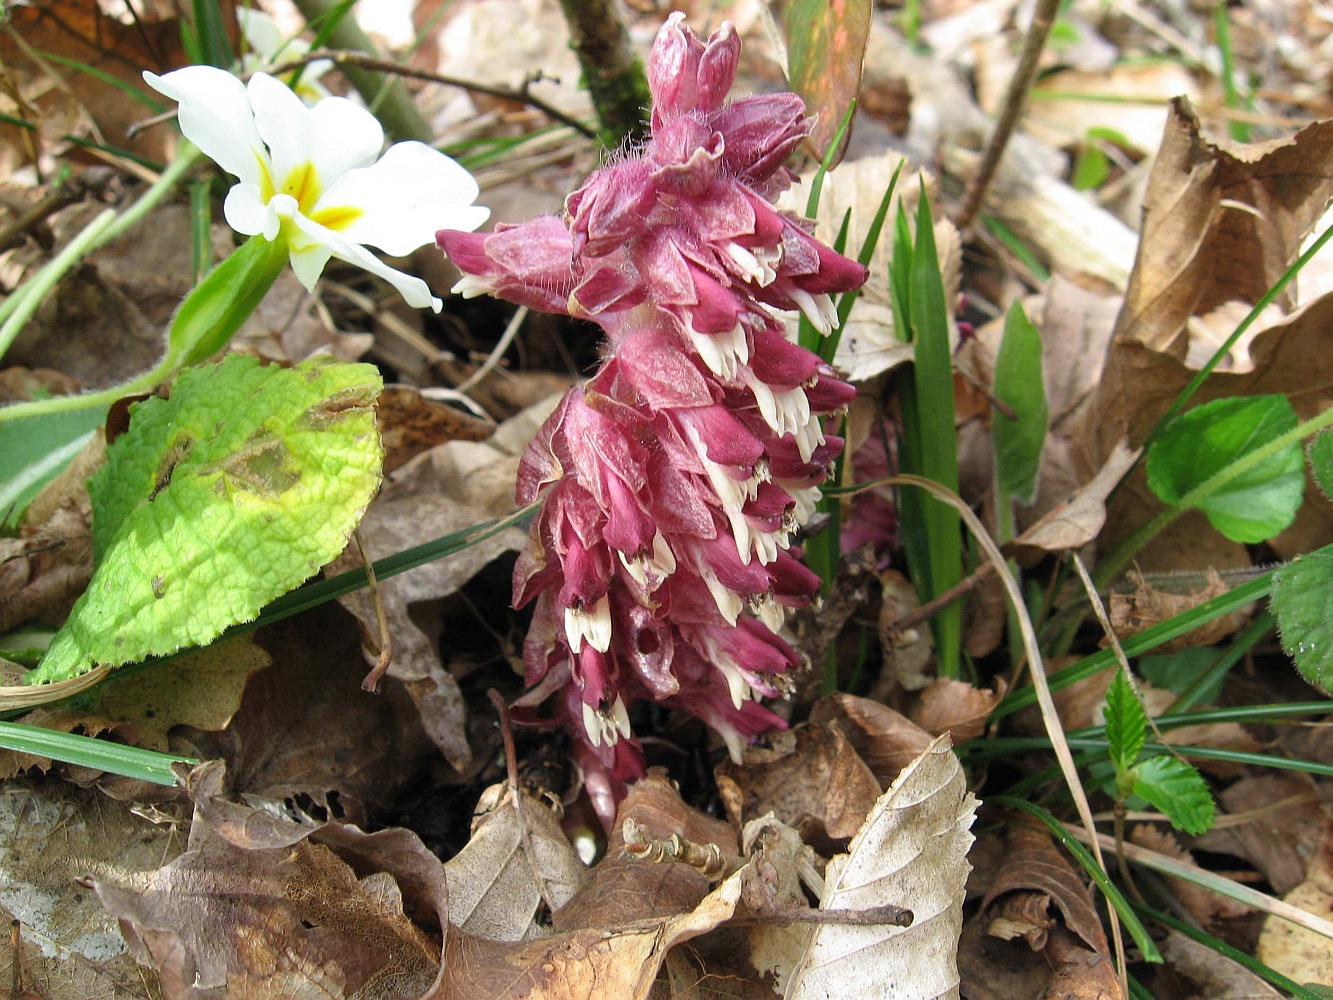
x,y
908,653
1298,952
1285,823
1078,520
1033,864
912,852
447,489
1221,223
886,740
955,707
409,424
623,888
1207,907
200,688
306,729
596,963
810,778
1079,974
1137,605
45,571
55,834
517,858
222,921
1213,979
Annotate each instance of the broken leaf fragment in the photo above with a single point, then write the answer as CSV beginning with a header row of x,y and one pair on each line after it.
x,y
237,488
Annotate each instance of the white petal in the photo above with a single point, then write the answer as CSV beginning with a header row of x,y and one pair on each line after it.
x,y
407,196
246,212
347,137
215,115
261,32
592,724
415,291
620,717
309,262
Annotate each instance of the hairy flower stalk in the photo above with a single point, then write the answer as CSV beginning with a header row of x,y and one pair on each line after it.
x,y
673,480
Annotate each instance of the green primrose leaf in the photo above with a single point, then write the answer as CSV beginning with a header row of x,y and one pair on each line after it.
x,y
1201,443
36,449
215,501
1018,382
1178,791
1321,461
1302,599
1126,723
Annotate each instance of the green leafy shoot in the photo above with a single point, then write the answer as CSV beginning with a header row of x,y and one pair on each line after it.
x,y
1015,245
1126,724
1178,791
1302,600
1203,442
932,531
215,501
1018,439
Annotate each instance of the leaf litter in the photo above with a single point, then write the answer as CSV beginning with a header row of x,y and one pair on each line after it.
x,y
281,893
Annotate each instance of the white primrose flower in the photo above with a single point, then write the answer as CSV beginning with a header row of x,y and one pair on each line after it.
x,y
268,45
310,175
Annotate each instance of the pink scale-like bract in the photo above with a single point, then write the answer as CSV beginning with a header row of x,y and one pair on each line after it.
x,y
673,480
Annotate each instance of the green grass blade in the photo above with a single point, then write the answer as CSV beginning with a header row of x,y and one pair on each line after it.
x,y
102,755
1271,976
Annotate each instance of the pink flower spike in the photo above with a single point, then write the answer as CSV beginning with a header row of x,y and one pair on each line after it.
x,y
662,561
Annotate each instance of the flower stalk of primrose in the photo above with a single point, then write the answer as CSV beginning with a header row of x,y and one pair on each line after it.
x,y
312,180
663,561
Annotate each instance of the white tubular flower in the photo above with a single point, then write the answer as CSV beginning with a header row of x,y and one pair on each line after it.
x,y
268,45
311,177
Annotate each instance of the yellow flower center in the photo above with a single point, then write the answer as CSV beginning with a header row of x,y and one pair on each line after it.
x,y
302,184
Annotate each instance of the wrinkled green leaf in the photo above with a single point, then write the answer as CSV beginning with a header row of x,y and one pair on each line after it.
x,y
1126,723
1302,599
1321,462
826,41
1018,383
34,450
1178,791
215,501
1201,443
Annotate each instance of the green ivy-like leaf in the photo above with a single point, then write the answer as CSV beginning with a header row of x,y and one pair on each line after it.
x,y
1126,723
1178,791
1321,461
1018,382
1302,599
215,501
1201,443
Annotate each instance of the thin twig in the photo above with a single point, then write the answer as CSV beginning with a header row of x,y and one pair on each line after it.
x,y
937,604
344,57
1043,18
516,797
